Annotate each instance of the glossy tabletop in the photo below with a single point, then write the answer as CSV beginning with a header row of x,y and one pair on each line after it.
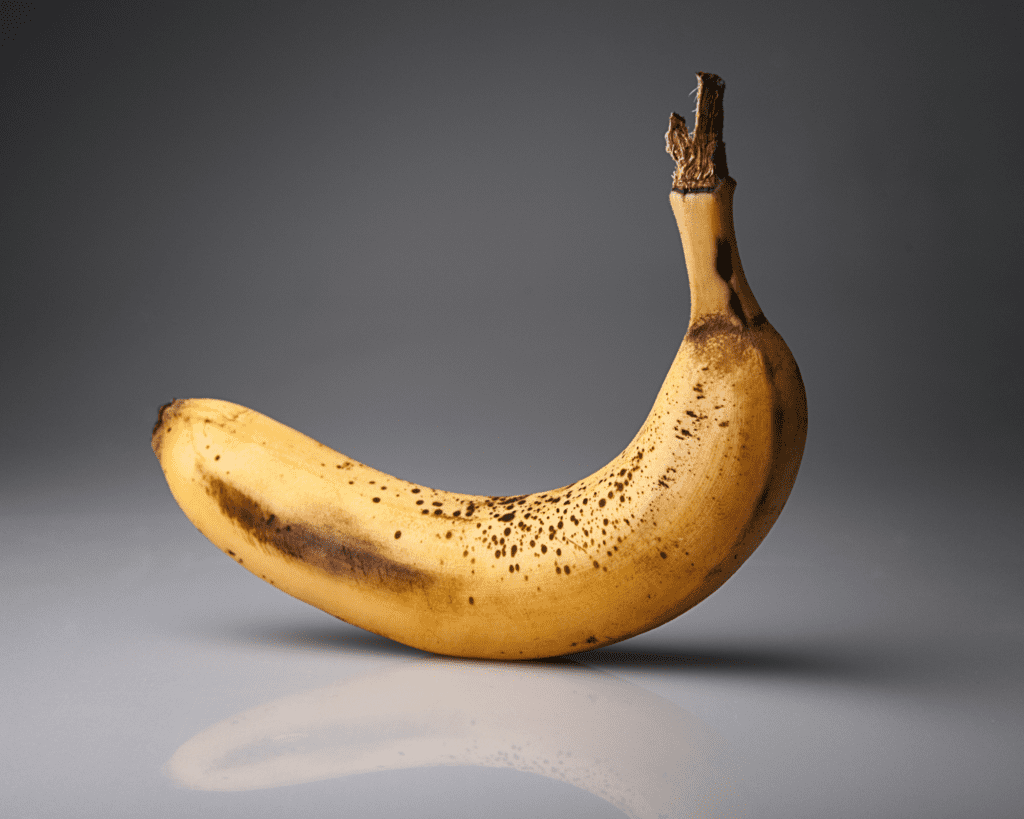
x,y
148,674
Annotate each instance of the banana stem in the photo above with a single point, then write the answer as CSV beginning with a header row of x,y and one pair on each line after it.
x,y
701,200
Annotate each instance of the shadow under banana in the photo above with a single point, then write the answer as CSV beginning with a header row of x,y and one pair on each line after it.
x,y
561,720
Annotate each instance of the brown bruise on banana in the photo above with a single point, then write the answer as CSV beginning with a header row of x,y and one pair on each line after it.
x,y
342,556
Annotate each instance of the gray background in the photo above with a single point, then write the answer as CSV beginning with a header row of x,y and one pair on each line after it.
x,y
436,237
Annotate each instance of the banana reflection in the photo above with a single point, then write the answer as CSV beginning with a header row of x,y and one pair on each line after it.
x,y
561,720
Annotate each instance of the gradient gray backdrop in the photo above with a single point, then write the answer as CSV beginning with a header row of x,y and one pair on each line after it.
x,y
436,236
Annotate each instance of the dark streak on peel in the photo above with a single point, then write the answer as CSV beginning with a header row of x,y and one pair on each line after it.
x,y
345,557
723,260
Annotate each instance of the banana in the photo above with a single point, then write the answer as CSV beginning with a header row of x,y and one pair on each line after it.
x,y
617,553
560,720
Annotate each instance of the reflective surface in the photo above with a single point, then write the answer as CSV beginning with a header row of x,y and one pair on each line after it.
x,y
144,672
558,720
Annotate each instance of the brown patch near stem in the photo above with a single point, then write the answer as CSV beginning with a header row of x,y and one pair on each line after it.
x,y
713,327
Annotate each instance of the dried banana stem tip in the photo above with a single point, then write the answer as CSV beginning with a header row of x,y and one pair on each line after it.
x,y
700,157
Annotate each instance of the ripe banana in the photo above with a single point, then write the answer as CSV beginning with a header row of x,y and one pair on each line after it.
x,y
560,720
617,553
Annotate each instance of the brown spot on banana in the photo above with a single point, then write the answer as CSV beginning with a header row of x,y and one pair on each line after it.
x,y
342,555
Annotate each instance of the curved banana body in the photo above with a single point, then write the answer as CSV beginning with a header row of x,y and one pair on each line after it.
x,y
617,553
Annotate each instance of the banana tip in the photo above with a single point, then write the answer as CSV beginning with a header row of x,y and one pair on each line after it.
x,y
158,428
